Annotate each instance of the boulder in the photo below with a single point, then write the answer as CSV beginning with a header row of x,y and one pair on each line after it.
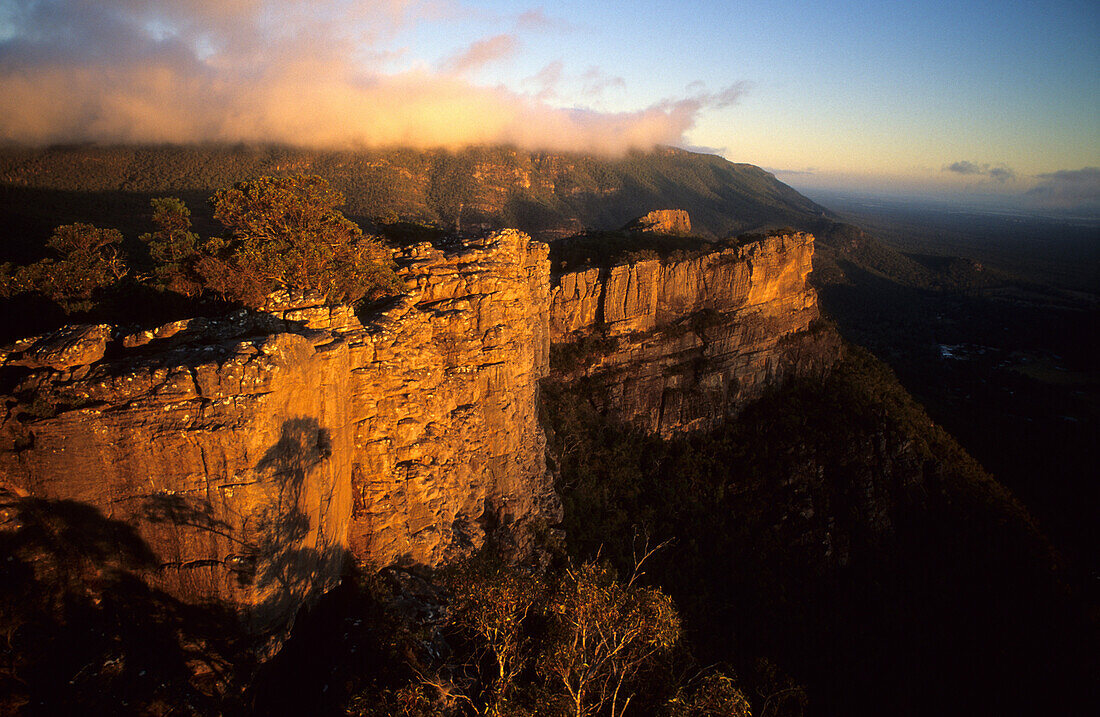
x,y
67,348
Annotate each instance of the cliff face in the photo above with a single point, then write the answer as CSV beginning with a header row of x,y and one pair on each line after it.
x,y
448,444
663,221
674,345
230,457
251,454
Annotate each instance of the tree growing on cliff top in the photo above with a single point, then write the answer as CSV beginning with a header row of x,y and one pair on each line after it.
x,y
87,260
173,247
285,233
281,234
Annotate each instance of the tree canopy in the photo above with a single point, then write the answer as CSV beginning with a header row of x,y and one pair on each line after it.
x,y
285,233
281,234
86,261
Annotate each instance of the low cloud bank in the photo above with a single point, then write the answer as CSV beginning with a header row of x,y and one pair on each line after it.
x,y
999,173
1072,189
288,71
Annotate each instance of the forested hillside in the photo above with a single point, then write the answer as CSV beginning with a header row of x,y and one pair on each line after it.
x,y
544,194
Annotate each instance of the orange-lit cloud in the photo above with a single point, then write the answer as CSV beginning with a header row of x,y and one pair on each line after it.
x,y
291,71
547,80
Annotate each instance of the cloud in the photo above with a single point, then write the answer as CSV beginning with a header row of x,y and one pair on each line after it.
x,y
1000,173
547,80
537,20
1077,189
481,53
595,82
963,167
795,172
290,71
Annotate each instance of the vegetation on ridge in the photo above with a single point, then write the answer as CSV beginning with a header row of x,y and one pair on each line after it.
x,y
86,262
834,529
280,234
545,194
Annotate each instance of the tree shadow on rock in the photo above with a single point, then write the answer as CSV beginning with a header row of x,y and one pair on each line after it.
x,y
83,630
290,558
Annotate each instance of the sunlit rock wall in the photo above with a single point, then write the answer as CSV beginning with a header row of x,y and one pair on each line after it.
x,y
448,443
676,345
223,446
250,455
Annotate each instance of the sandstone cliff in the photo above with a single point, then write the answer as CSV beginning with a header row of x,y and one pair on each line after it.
x,y
662,221
448,444
230,457
674,345
252,453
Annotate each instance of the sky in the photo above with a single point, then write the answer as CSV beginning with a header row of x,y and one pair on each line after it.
x,y
965,99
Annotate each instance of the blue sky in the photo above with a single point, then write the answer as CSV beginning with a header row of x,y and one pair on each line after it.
x,y
977,98
845,91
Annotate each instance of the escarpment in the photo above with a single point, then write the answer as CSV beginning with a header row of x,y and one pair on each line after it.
x,y
675,345
448,444
253,454
250,455
222,446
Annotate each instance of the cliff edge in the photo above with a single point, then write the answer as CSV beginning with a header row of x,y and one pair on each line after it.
x,y
252,455
674,345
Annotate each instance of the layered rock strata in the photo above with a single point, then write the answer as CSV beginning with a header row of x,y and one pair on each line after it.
x,y
673,346
448,445
248,455
224,447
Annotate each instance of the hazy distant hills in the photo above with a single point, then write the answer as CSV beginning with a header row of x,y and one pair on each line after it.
x,y
545,194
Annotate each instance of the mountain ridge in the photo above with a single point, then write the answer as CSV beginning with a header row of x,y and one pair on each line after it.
x,y
544,194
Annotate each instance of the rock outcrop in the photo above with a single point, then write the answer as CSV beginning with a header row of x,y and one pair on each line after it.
x,y
68,347
676,345
448,444
251,454
228,449
662,221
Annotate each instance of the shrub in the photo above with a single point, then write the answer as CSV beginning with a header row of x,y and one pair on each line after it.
x,y
493,603
575,642
603,634
87,262
715,694
174,247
